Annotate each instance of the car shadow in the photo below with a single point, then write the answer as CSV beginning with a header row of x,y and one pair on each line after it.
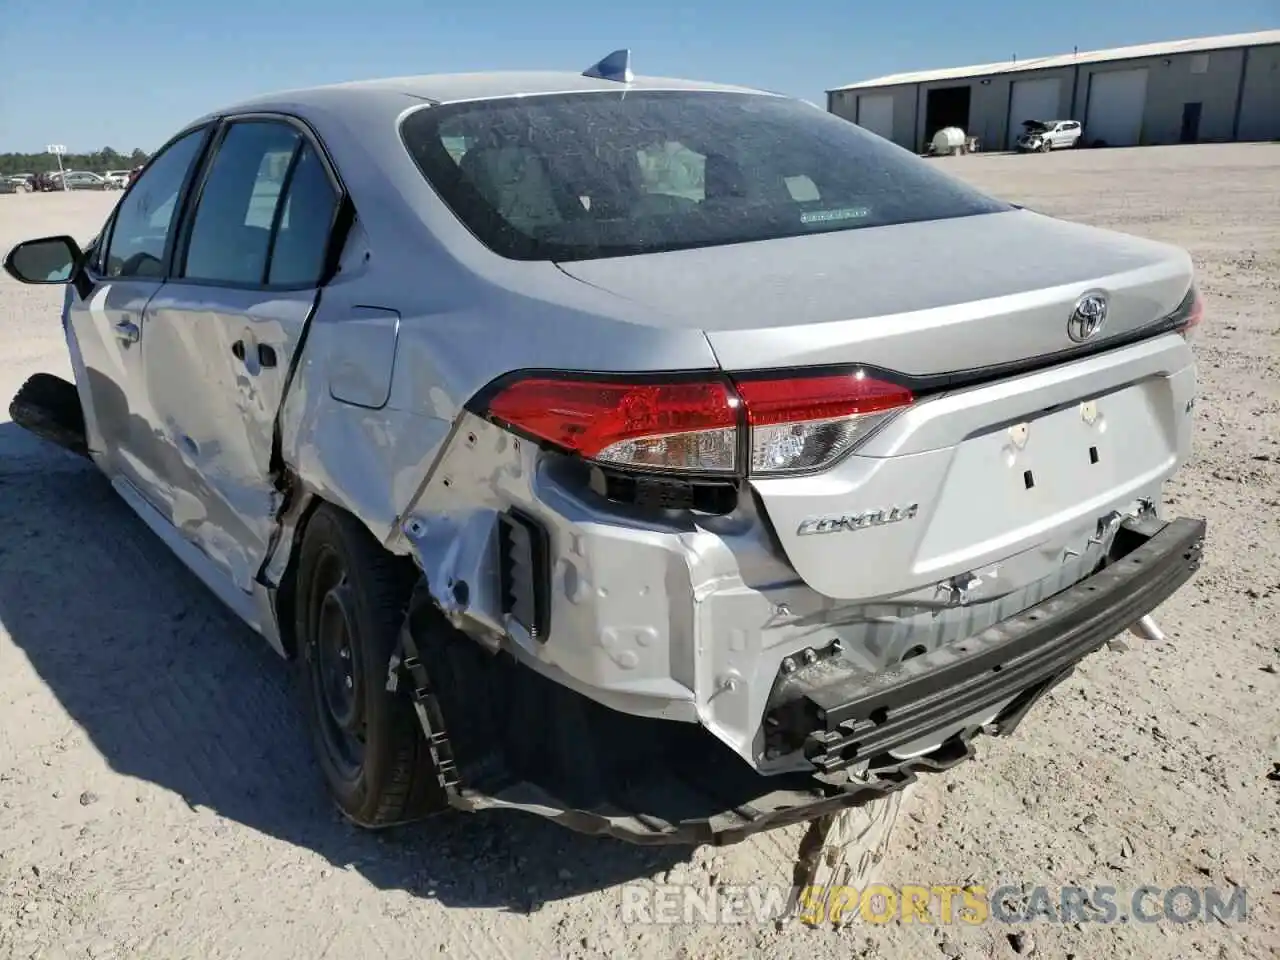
x,y
171,688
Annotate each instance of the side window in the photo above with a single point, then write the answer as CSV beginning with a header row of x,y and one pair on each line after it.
x,y
297,253
145,216
231,231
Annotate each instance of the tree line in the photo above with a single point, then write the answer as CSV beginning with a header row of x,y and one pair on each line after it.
x,y
100,161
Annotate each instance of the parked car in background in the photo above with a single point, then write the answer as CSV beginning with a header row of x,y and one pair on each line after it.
x,y
117,179
1041,136
82,180
15,184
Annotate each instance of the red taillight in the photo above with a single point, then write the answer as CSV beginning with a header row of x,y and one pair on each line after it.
x,y
802,424
819,398
796,423
689,425
1192,315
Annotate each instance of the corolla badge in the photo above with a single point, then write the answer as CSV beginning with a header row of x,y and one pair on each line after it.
x,y
1088,317
857,521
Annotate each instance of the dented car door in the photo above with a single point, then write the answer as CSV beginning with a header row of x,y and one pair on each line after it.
x,y
124,269
223,331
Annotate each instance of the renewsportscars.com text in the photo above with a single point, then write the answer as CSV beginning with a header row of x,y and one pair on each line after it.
x,y
934,904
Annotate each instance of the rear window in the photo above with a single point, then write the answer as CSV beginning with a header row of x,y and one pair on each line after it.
x,y
585,176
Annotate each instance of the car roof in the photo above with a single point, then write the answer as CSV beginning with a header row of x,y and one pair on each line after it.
x,y
394,92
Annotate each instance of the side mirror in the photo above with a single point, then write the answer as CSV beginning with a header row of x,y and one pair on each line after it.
x,y
44,261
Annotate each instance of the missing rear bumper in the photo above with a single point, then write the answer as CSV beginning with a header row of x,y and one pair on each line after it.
x,y
508,738
845,720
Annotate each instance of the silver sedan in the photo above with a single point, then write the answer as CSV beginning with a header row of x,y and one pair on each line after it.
x,y
670,459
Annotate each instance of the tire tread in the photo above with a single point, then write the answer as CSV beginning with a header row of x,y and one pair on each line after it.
x,y
49,407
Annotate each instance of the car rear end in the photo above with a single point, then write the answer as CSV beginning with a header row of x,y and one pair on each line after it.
x,y
921,481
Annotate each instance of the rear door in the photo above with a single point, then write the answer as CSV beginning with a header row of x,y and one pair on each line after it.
x,y
222,333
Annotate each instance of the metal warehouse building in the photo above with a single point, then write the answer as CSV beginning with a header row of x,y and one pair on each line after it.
x,y
1183,91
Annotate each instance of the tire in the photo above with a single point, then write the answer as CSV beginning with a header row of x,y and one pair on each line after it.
x,y
1045,147
352,595
49,407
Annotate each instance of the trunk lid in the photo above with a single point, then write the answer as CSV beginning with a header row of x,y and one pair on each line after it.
x,y
975,491
920,298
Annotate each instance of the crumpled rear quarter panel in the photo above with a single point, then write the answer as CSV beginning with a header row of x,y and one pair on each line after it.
x,y
664,616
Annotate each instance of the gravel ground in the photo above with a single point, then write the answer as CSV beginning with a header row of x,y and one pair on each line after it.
x,y
157,797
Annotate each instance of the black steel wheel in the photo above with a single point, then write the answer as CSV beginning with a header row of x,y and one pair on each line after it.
x,y
350,602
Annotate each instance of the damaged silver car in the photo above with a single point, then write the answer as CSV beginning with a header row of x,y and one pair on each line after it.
x,y
671,460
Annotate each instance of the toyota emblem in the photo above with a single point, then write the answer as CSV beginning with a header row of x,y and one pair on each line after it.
x,y
1088,317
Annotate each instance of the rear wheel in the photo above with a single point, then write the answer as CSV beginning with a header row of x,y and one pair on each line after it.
x,y
350,603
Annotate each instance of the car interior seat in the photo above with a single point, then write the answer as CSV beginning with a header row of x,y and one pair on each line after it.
x,y
723,179
515,181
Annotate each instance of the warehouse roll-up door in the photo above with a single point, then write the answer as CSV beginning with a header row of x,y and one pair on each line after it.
x,y
1033,100
875,113
1117,101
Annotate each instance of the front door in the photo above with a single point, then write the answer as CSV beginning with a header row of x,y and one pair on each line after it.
x,y
222,333
104,315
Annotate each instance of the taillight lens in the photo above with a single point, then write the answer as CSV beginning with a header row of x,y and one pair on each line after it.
x,y
797,424
689,426
1190,313
803,424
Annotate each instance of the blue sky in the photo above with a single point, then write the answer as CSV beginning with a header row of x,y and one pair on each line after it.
x,y
127,73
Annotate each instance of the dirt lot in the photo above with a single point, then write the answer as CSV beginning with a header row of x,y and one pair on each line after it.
x,y
157,797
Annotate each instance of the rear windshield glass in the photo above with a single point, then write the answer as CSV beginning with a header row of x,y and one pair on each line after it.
x,y
584,176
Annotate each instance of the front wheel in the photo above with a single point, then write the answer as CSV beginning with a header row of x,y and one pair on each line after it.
x,y
350,603
49,407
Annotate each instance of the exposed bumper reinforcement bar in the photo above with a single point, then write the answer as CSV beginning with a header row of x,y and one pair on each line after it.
x,y
515,740
868,715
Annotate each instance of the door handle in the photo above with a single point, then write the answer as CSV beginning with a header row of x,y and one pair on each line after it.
x,y
266,353
127,331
